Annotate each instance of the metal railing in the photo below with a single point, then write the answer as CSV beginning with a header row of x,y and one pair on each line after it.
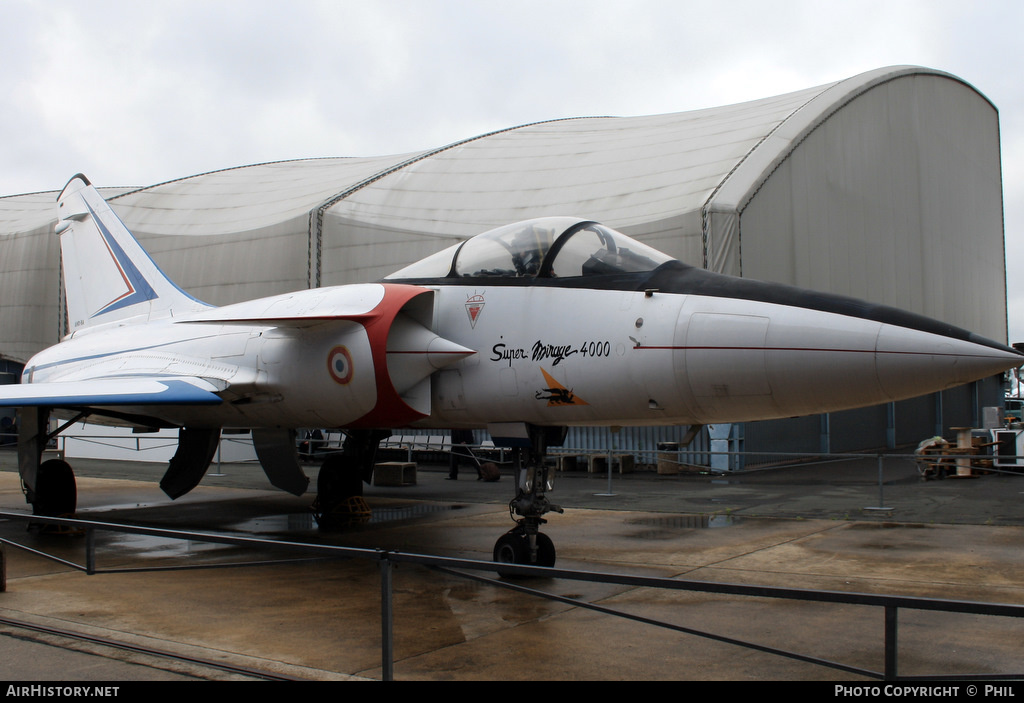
x,y
467,568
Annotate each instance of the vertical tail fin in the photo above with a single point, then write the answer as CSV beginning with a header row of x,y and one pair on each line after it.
x,y
108,276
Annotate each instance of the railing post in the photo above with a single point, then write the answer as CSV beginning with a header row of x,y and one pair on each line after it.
x,y
881,483
90,551
881,490
3,568
387,647
610,474
891,662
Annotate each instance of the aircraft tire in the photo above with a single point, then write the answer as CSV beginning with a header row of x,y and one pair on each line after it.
x,y
514,548
545,550
336,481
511,548
339,495
55,493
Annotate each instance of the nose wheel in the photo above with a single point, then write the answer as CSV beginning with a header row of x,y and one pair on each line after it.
x,y
525,544
517,547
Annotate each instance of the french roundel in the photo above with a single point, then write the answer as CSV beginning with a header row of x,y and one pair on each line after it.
x,y
339,365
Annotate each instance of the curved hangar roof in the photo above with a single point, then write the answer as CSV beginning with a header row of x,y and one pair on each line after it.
x,y
877,186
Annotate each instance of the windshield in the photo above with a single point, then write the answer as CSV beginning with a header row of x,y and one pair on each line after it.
x,y
549,247
593,249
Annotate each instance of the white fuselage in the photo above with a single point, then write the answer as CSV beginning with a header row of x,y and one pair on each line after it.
x,y
544,355
627,358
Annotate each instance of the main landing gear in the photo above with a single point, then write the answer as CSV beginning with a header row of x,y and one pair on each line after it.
x,y
49,486
55,494
525,544
339,485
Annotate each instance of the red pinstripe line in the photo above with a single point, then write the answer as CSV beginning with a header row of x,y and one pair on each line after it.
x,y
810,349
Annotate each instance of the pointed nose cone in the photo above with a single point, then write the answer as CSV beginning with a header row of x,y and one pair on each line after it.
x,y
908,360
787,361
751,350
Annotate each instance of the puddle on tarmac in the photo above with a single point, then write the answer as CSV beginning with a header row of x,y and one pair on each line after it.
x,y
889,526
687,522
110,507
145,546
665,526
410,512
304,521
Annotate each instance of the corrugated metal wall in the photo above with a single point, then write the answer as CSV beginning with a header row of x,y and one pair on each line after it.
x,y
641,442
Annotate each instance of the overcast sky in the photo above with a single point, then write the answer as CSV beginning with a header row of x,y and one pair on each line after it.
x,y
135,93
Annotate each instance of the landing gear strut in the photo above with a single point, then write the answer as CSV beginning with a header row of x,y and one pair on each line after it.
x,y
525,543
339,485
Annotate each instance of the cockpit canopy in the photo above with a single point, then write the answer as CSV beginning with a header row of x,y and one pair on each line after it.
x,y
547,247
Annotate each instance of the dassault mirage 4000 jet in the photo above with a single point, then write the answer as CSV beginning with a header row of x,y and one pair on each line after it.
x,y
523,330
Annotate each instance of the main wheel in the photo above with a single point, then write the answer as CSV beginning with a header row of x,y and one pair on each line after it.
x,y
55,491
339,495
337,480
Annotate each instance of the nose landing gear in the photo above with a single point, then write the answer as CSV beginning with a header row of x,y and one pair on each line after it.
x,y
525,544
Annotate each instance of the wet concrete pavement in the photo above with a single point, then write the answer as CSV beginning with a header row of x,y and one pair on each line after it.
x,y
803,527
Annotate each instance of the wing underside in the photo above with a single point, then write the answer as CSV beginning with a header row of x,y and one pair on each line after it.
x,y
111,392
